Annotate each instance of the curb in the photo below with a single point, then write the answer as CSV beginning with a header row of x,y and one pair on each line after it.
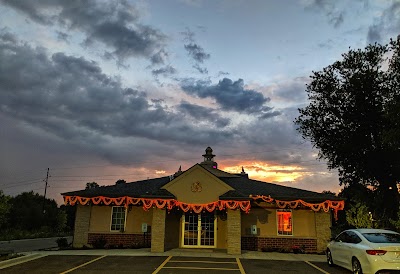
x,y
20,260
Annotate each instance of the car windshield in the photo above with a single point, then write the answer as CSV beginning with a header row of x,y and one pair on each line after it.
x,y
382,237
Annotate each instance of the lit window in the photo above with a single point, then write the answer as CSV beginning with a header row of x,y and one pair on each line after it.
x,y
118,218
284,222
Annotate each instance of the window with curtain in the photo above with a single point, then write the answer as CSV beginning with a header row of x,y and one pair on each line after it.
x,y
284,218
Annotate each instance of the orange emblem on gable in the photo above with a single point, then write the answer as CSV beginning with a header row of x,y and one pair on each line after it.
x,y
196,187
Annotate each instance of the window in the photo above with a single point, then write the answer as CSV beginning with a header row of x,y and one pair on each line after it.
x,y
284,218
118,218
382,237
353,238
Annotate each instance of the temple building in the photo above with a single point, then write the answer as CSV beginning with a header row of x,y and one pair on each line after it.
x,y
203,207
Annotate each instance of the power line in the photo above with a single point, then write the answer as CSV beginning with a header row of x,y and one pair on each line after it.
x,y
30,183
59,178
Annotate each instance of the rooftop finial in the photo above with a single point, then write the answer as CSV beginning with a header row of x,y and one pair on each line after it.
x,y
179,172
209,158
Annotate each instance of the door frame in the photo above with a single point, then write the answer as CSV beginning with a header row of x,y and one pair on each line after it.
x,y
182,243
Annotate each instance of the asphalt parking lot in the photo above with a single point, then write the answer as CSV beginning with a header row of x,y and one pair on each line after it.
x,y
166,265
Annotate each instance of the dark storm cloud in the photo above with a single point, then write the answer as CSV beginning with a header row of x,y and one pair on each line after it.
x,y
230,95
72,98
388,24
113,24
196,52
165,71
200,113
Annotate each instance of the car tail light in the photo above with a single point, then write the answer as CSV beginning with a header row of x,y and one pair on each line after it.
x,y
376,252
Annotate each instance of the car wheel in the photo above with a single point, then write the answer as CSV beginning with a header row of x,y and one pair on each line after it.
x,y
356,267
329,257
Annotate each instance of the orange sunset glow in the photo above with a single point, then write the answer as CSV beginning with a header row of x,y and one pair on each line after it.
x,y
268,172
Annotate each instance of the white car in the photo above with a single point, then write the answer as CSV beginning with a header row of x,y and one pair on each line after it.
x,y
365,250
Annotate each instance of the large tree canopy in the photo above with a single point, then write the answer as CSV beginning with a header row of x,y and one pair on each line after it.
x,y
353,119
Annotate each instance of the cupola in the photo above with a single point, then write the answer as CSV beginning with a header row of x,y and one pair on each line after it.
x,y
209,159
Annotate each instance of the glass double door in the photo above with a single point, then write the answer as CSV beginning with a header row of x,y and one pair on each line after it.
x,y
199,230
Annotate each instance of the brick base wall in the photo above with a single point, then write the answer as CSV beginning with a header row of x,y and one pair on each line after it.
x,y
122,239
257,243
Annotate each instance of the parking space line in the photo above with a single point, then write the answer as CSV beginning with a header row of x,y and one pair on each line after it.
x,y
162,265
202,268
207,262
316,267
240,266
82,265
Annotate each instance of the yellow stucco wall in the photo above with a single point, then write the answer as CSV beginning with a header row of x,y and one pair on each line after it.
x,y
136,216
211,186
265,219
100,219
221,233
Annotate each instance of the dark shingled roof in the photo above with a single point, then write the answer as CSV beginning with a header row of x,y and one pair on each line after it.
x,y
242,185
144,188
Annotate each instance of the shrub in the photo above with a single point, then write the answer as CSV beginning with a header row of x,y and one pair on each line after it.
x,y
99,243
62,242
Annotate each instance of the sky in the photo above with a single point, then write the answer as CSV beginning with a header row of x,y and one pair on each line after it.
x,y
106,90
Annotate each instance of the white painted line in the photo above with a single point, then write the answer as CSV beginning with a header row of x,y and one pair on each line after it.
x,y
316,267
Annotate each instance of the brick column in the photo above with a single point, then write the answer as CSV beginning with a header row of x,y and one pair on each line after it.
x,y
234,231
82,224
323,229
158,230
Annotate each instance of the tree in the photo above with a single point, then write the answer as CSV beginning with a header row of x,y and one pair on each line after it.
x,y
4,208
90,185
351,119
359,216
26,212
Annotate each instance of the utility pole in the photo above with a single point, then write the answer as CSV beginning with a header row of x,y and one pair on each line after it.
x,y
45,190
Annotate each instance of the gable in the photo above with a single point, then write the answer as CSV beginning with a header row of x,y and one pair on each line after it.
x,y
197,186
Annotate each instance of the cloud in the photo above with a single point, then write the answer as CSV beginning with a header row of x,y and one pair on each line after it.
x,y
196,52
200,69
287,92
73,99
230,95
165,71
387,24
333,14
113,24
62,36
200,113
